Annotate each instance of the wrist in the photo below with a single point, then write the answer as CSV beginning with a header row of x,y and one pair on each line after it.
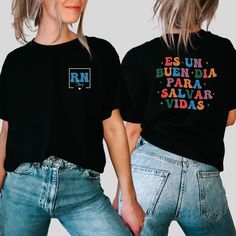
x,y
128,196
127,189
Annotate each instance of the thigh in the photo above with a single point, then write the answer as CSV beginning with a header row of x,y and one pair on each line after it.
x,y
19,210
222,227
205,209
83,209
97,218
156,185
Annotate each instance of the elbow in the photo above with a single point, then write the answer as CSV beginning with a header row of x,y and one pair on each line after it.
x,y
231,118
4,129
230,122
113,131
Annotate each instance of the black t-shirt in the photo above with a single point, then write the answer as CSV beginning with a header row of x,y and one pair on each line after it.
x,y
55,99
182,99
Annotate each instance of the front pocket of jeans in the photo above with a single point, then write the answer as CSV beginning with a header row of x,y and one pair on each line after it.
x,y
148,184
25,169
91,174
213,203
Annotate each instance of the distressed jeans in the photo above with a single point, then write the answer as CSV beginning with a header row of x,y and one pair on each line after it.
x,y
171,187
36,192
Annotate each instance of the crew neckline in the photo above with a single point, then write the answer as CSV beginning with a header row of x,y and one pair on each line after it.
x,y
60,45
201,31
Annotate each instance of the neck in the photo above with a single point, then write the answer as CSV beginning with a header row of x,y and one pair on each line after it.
x,y
49,32
195,29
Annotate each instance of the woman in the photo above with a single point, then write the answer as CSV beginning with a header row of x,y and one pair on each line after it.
x,y
180,99
58,98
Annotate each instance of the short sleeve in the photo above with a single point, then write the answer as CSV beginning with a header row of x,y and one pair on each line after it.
x,y
3,93
232,104
113,82
134,102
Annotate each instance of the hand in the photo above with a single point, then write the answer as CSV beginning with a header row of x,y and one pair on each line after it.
x,y
3,174
133,215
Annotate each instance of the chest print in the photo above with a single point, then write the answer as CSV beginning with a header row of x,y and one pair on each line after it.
x,y
79,78
184,83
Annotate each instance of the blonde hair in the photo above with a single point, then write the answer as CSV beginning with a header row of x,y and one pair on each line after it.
x,y
183,15
26,11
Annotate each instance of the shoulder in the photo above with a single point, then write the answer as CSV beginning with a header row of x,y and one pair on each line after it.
x,y
17,55
101,45
221,42
143,51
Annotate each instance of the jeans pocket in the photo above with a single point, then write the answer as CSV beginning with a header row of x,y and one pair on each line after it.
x,y
213,202
91,174
25,168
148,184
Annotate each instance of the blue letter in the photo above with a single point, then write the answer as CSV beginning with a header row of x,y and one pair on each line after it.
x,y
74,78
84,77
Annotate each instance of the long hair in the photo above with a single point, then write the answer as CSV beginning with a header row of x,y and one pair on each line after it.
x,y
26,12
183,15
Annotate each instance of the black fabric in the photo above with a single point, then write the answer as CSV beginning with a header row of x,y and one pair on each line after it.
x,y
182,99
55,99
233,78
3,99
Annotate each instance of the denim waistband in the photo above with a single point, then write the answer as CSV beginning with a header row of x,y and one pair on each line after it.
x,y
156,152
56,162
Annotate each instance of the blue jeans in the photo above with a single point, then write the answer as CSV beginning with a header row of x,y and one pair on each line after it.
x,y
171,187
36,192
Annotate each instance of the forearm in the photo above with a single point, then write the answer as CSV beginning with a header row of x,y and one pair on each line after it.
x,y
133,133
119,152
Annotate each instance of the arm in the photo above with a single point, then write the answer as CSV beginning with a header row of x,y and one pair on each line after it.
x,y
133,132
3,140
231,118
116,140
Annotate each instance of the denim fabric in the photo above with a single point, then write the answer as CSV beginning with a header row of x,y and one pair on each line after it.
x,y
171,187
36,192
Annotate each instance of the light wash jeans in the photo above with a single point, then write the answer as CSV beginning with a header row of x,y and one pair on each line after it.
x,y
171,187
36,192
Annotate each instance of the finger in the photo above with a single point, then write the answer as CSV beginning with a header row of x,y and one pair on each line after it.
x,y
136,230
137,234
141,221
143,214
124,220
141,225
141,217
129,228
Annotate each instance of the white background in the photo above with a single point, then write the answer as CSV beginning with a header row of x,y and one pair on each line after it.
x,y
127,23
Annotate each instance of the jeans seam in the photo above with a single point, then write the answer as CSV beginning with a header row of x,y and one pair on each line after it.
x,y
182,188
162,158
157,190
157,195
55,192
46,189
